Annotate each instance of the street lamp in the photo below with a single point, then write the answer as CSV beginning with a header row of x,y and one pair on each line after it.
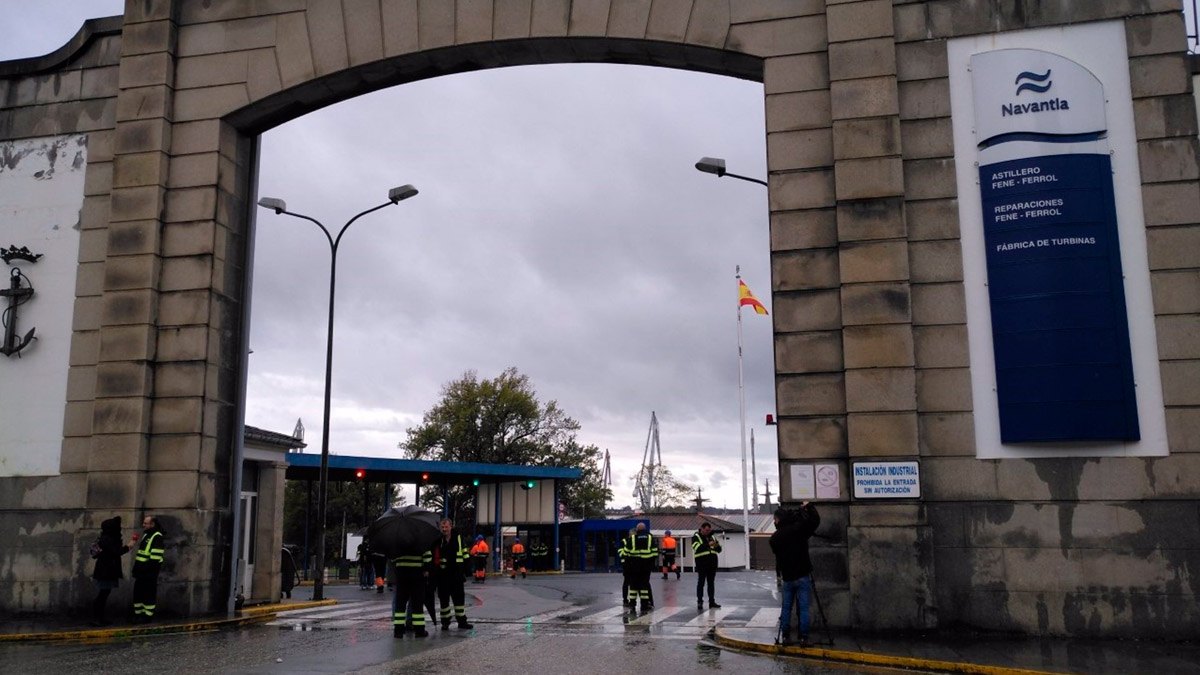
x,y
716,166
395,196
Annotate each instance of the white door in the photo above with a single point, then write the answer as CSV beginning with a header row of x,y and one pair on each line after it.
x,y
249,508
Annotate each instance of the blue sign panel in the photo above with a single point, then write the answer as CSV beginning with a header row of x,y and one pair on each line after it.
x,y
1061,338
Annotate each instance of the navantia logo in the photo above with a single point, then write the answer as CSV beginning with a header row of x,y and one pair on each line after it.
x,y
1028,81
1039,84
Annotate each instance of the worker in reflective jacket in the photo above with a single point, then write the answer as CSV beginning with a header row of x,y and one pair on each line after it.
x,y
411,573
452,561
668,553
640,554
705,548
146,564
480,552
518,558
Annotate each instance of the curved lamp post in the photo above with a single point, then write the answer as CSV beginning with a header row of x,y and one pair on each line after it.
x,y
395,196
716,166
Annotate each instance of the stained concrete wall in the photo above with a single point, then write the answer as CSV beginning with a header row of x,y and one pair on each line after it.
x,y
871,349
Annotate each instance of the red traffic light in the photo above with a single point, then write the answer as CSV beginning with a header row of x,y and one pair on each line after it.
x,y
424,476
359,474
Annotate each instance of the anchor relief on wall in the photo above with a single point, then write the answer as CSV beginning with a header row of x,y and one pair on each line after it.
x,y
19,290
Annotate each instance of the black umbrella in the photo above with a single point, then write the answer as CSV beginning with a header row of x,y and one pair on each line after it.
x,y
408,530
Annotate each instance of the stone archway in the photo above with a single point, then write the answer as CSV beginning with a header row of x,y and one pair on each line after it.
x,y
867,279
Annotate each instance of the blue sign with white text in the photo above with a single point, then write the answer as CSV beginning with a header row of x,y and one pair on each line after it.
x,y
1059,327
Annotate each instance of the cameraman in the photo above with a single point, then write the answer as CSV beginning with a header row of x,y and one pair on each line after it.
x,y
790,546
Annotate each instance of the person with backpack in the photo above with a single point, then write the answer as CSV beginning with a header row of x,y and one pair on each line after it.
x,y
107,551
146,564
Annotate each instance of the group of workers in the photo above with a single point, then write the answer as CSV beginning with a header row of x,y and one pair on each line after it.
x,y
441,569
639,551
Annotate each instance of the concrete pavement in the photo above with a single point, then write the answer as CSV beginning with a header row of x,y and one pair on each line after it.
x,y
979,655
1007,655
46,629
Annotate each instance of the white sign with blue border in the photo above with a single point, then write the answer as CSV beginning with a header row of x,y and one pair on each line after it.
x,y
1060,334
886,480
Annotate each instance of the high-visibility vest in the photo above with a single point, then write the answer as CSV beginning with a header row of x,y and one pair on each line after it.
x,y
480,548
151,548
646,549
460,554
518,549
698,544
668,545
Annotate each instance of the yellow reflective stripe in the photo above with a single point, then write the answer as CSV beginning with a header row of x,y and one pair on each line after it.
x,y
147,551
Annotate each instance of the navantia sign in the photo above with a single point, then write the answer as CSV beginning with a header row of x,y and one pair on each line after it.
x,y
1059,328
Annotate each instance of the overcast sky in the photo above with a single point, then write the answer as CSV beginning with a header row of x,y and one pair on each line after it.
x,y
560,229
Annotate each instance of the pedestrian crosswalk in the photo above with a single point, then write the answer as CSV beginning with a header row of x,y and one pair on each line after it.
x,y
683,619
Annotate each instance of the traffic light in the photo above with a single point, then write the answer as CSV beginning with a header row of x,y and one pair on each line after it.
x,y
360,474
527,485
475,482
424,477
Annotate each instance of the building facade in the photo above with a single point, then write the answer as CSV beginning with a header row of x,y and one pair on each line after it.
x,y
896,361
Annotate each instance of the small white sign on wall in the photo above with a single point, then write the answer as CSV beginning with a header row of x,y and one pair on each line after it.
x,y
829,483
803,482
886,480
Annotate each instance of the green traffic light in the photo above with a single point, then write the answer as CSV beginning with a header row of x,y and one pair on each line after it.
x,y
475,482
529,484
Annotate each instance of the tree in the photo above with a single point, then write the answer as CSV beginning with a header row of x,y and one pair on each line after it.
x,y
501,421
345,501
668,490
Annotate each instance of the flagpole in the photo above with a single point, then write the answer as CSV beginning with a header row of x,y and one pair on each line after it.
x,y
742,417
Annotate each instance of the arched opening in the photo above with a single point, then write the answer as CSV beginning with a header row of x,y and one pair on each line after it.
x,y
561,229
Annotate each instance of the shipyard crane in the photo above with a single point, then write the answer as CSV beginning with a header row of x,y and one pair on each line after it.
x,y
643,491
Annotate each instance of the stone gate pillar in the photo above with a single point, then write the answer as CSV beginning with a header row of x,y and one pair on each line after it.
x,y
889,546
168,316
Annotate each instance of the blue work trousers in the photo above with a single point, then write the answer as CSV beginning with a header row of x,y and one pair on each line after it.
x,y
795,591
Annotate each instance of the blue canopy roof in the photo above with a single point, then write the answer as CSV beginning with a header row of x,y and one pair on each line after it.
x,y
304,466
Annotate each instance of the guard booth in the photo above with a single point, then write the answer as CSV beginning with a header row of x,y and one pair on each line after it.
x,y
592,545
505,494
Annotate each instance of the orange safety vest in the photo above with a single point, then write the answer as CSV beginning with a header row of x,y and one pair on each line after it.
x,y
480,548
668,544
518,549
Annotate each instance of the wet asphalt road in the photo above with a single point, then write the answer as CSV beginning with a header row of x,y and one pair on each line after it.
x,y
545,624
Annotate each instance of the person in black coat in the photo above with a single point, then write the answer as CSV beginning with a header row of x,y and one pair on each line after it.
x,y
107,572
790,546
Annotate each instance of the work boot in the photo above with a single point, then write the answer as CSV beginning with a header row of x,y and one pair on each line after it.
x,y
700,605
463,625
420,633
713,605
398,631
678,575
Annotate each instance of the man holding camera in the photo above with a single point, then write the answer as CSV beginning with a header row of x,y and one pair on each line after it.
x,y
705,548
790,546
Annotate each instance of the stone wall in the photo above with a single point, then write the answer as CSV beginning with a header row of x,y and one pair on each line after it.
x,y
867,280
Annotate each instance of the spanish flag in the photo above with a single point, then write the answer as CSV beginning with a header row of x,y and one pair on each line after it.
x,y
745,297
